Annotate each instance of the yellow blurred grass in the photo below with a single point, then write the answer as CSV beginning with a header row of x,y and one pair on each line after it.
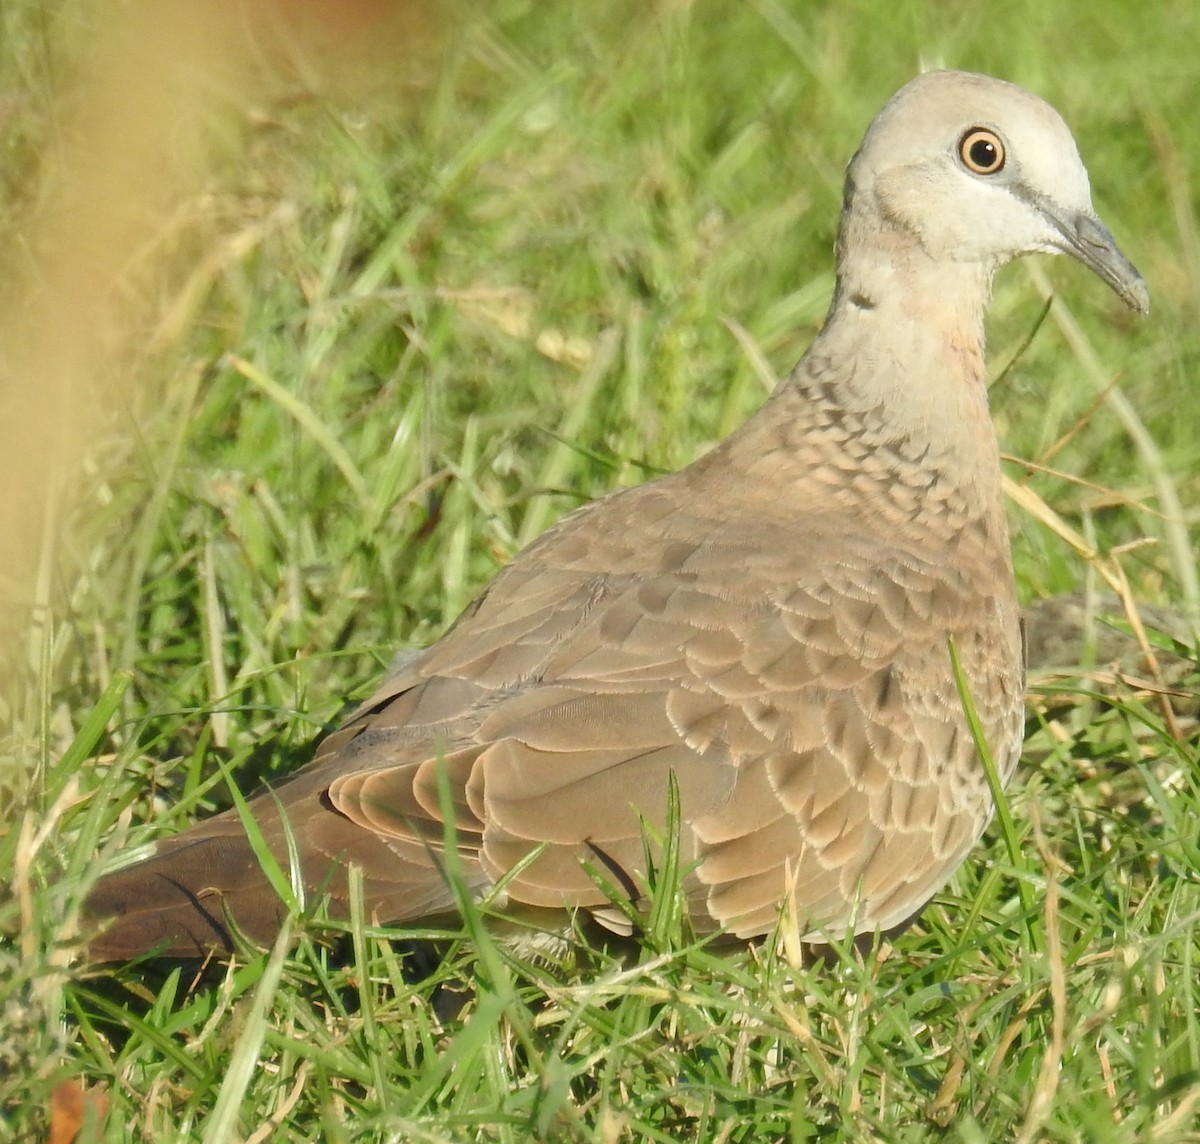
x,y
102,265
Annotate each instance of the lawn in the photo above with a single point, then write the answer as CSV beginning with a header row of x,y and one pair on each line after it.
x,y
312,318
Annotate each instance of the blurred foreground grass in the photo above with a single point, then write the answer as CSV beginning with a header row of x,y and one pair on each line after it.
x,y
368,332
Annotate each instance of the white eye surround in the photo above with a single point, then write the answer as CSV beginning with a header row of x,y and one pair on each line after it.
x,y
981,151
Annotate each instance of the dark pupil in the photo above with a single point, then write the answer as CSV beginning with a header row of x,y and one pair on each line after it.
x,y
983,153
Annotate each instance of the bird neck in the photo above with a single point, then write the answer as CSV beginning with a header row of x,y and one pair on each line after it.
x,y
889,405
913,328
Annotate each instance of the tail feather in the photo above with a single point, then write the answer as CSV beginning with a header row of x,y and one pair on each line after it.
x,y
189,900
206,887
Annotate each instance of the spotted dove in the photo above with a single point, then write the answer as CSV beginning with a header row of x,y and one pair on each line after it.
x,y
771,625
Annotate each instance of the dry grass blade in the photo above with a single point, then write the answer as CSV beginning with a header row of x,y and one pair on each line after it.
x,y
223,1126
1183,556
1046,1085
1112,573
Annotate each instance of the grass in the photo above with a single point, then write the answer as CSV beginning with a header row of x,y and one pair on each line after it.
x,y
376,341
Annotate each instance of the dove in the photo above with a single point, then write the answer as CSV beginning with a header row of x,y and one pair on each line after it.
x,y
768,630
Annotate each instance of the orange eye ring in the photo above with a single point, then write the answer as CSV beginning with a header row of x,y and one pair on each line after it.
x,y
981,151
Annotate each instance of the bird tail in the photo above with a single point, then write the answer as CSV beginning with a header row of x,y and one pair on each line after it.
x,y
199,894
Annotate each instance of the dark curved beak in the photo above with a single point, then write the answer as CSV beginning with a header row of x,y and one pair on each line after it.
x,y
1088,239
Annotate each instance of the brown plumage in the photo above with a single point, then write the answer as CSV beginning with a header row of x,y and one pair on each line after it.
x,y
770,625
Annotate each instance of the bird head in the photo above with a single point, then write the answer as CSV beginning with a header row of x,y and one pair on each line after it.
x,y
977,170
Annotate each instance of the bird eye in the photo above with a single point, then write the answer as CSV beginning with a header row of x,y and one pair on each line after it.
x,y
981,151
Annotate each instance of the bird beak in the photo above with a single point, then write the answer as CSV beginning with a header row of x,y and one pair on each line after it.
x,y
1087,238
